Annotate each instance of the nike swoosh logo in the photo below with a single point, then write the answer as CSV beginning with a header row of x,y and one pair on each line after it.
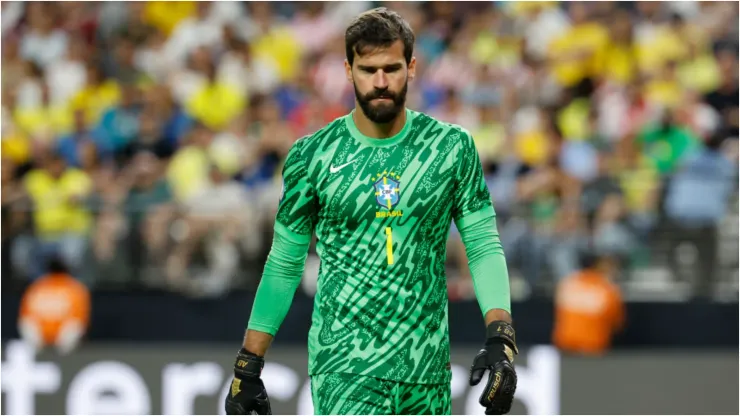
x,y
335,169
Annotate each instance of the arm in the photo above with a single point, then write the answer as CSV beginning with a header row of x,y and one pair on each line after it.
x,y
488,268
280,279
475,218
294,224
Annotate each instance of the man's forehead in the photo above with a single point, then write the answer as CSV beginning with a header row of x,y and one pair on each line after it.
x,y
381,55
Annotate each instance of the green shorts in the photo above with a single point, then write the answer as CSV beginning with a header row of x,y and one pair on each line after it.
x,y
349,394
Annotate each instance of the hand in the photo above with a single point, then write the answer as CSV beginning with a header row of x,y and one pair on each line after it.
x,y
497,357
247,395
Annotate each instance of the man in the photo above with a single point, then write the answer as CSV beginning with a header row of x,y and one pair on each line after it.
x,y
380,186
589,309
697,201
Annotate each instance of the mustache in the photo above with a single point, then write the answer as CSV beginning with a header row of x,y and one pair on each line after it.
x,y
380,94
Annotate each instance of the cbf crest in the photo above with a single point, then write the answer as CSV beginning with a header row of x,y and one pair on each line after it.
x,y
387,193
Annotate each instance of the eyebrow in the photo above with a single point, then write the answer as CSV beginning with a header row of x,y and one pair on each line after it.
x,y
389,67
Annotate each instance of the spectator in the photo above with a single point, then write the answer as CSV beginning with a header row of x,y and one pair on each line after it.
x,y
187,173
121,62
70,146
666,143
248,75
55,310
696,202
274,42
616,61
60,219
14,68
119,125
216,103
14,215
46,121
43,44
216,216
573,53
588,309
67,75
725,98
96,96
148,210
192,32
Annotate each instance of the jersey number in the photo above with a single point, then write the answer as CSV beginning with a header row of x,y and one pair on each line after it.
x,y
389,244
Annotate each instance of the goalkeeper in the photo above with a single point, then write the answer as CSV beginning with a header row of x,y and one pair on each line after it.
x,y
380,188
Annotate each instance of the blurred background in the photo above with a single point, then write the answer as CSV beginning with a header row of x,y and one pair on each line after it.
x,y
142,144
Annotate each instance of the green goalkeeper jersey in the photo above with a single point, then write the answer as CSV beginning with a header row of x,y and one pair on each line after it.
x,y
381,210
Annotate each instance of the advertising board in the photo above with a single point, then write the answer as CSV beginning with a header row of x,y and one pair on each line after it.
x,y
193,379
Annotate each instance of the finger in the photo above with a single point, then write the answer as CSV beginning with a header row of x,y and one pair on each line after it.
x,y
476,375
490,392
234,408
504,396
497,410
508,385
263,406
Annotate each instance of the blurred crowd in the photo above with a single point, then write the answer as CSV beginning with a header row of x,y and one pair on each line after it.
x,y
142,142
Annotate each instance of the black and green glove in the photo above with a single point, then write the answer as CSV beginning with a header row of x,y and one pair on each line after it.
x,y
497,356
247,395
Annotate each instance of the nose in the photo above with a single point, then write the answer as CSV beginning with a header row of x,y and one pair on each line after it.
x,y
380,80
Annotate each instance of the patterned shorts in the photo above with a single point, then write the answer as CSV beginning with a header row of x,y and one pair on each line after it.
x,y
350,394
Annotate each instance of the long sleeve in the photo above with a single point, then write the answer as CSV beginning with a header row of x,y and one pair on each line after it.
x,y
294,224
487,262
280,279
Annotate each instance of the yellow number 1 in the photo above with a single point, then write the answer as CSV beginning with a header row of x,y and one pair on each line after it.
x,y
389,244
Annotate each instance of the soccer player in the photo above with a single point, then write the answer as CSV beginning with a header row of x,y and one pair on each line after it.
x,y
380,188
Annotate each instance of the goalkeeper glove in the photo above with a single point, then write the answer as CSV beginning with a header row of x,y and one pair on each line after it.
x,y
247,395
496,356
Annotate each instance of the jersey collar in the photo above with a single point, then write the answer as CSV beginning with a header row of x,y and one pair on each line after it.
x,y
371,141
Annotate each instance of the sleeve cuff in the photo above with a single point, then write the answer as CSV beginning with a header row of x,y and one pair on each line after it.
x,y
254,326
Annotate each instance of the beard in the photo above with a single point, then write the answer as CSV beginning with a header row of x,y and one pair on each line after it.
x,y
383,112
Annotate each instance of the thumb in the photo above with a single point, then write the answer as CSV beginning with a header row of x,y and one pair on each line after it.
x,y
476,375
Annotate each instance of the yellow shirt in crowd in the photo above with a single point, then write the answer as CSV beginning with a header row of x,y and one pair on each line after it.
x,y
166,15
54,213
16,147
587,39
55,120
216,105
617,63
280,47
95,100
700,74
664,92
187,173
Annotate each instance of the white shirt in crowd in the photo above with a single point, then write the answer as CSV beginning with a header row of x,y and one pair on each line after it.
x,y
44,49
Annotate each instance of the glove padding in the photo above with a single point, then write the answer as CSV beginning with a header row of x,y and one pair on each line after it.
x,y
496,356
247,395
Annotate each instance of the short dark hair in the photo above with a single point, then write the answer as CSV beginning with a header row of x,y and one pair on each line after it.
x,y
378,28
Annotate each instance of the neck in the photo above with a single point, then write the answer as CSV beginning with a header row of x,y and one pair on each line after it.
x,y
379,130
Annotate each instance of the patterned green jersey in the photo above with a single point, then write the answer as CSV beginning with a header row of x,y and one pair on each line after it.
x,y
381,210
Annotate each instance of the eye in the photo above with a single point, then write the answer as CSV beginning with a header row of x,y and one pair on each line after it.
x,y
367,69
392,68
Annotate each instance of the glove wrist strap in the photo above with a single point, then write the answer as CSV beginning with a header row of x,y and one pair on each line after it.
x,y
248,364
502,331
